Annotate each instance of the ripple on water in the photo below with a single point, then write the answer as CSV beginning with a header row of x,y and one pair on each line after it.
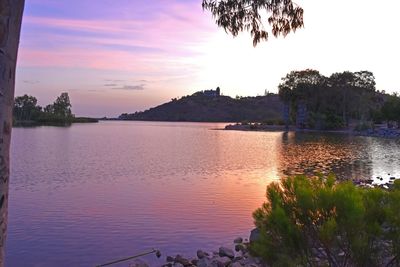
x,y
88,194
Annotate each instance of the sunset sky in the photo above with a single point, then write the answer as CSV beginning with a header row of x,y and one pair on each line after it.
x,y
116,56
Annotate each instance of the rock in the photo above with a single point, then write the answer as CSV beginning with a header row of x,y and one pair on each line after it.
x,y
255,235
201,254
167,265
139,263
194,261
238,240
223,251
170,259
182,260
240,247
177,264
236,264
204,262
247,262
237,258
221,262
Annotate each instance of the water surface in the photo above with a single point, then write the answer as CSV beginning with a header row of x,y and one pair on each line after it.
x,y
90,193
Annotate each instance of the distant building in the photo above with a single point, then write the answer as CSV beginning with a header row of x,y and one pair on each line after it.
x,y
212,93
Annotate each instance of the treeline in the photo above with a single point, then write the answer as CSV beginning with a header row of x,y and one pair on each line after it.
x,y
26,111
313,100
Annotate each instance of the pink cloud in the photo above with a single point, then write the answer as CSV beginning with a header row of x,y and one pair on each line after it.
x,y
107,43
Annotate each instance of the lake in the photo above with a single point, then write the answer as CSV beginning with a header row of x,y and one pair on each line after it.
x,y
90,193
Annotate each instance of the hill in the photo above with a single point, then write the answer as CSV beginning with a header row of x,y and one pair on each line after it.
x,y
200,107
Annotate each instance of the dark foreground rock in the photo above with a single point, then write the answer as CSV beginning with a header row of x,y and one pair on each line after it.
x,y
224,257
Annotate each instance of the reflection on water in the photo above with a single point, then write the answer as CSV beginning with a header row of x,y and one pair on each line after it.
x,y
311,153
88,194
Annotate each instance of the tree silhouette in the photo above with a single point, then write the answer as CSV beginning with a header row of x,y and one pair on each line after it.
x,y
284,16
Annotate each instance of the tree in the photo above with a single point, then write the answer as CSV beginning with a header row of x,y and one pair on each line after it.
x,y
343,82
25,108
302,91
329,103
357,90
246,15
10,28
391,110
62,106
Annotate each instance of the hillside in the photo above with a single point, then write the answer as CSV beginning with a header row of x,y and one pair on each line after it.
x,y
202,108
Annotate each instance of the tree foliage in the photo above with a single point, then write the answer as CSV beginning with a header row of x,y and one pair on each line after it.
x,y
316,221
62,106
331,101
391,109
283,16
26,109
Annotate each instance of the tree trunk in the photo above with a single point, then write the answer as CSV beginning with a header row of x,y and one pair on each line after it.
x,y
286,115
10,28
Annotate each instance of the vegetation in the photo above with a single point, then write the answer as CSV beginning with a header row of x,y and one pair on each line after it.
x,y
332,102
390,110
284,16
27,112
318,222
198,107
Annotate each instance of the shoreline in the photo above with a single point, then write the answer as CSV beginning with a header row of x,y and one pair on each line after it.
x,y
378,132
237,256
37,123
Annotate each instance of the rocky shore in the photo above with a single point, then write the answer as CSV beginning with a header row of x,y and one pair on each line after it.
x,y
382,132
237,256
383,181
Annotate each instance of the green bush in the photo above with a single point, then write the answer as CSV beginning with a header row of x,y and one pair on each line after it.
x,y
318,222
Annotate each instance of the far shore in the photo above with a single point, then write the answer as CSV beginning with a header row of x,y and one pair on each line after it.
x,y
379,131
33,123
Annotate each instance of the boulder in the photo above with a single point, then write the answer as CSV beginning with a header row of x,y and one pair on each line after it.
x,y
204,262
139,263
170,259
238,240
201,254
240,247
237,258
255,235
221,262
182,260
224,261
226,252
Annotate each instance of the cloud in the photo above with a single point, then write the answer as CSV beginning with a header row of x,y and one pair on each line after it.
x,y
113,80
131,87
110,84
30,81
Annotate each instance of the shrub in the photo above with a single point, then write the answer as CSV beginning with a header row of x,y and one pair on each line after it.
x,y
316,221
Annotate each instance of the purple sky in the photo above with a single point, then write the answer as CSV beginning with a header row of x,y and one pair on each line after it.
x,y
128,55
